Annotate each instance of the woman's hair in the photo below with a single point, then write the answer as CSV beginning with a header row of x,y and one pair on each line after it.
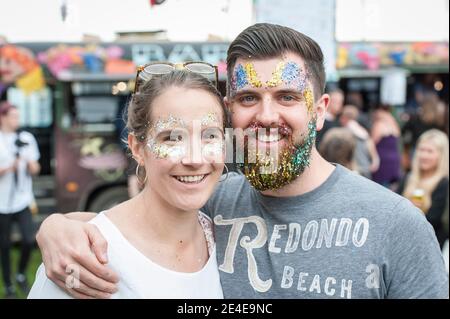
x,y
5,107
338,146
139,116
440,141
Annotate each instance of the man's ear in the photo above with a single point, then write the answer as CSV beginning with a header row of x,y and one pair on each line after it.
x,y
321,110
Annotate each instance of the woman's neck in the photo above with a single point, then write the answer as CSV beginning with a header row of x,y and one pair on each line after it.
x,y
424,175
5,129
156,218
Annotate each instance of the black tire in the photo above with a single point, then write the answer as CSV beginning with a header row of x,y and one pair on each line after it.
x,y
108,198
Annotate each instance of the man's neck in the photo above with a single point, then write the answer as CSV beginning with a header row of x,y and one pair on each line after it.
x,y
313,176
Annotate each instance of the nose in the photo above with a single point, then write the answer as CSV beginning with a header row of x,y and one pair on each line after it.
x,y
193,156
267,114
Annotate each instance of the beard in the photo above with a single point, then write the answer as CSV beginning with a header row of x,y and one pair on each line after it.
x,y
273,171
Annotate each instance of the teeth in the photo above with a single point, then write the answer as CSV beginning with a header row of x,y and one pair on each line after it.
x,y
268,138
190,178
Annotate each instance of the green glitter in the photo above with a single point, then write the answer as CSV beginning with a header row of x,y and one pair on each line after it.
x,y
292,162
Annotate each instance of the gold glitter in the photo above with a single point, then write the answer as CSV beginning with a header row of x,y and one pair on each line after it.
x,y
210,118
309,99
252,76
276,75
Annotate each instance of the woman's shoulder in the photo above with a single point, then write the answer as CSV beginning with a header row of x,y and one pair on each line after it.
x,y
443,184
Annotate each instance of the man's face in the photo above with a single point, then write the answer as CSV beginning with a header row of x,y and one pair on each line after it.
x,y
274,99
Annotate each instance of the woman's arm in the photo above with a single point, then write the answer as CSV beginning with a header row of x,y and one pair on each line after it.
x,y
67,242
374,158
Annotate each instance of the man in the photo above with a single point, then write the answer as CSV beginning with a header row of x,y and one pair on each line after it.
x,y
302,228
19,155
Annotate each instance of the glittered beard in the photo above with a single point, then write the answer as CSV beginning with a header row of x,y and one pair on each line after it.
x,y
268,172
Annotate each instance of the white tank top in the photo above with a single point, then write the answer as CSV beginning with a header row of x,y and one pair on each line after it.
x,y
142,278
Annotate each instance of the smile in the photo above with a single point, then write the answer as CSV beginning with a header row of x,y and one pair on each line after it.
x,y
269,138
191,179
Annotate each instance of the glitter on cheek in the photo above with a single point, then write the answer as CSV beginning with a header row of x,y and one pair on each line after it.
x,y
162,151
309,100
213,149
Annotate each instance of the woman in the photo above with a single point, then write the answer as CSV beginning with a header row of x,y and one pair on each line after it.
x,y
158,241
386,136
19,156
427,184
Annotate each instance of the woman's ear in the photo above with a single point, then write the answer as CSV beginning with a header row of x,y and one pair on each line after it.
x,y
135,147
227,104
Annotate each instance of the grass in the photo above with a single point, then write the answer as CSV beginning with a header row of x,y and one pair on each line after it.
x,y
35,261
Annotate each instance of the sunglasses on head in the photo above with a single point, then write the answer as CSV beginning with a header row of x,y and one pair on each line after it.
x,y
147,71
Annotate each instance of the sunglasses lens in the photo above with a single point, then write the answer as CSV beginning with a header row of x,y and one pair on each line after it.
x,y
200,68
155,69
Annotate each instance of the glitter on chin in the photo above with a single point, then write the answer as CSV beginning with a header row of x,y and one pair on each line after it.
x,y
292,162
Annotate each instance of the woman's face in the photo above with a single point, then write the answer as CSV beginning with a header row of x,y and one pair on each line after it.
x,y
428,156
184,153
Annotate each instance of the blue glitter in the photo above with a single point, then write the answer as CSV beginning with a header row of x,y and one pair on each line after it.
x,y
290,72
241,77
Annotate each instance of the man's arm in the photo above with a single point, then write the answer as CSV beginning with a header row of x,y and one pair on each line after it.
x,y
68,242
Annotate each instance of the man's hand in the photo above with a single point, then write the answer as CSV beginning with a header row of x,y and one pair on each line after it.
x,y
72,249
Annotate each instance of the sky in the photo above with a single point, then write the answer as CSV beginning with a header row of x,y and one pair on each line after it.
x,y
184,20
195,20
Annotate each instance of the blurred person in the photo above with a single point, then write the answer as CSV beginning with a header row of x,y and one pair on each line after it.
x,y
333,112
159,241
19,157
275,87
427,184
366,156
442,116
356,99
386,135
445,221
426,119
338,146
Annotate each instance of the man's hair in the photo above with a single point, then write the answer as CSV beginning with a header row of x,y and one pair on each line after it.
x,y
265,40
351,112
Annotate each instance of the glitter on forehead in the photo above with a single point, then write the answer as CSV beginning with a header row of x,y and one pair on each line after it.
x,y
293,75
277,75
170,122
209,118
239,78
252,76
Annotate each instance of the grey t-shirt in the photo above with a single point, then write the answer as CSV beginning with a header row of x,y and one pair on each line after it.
x,y
348,238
